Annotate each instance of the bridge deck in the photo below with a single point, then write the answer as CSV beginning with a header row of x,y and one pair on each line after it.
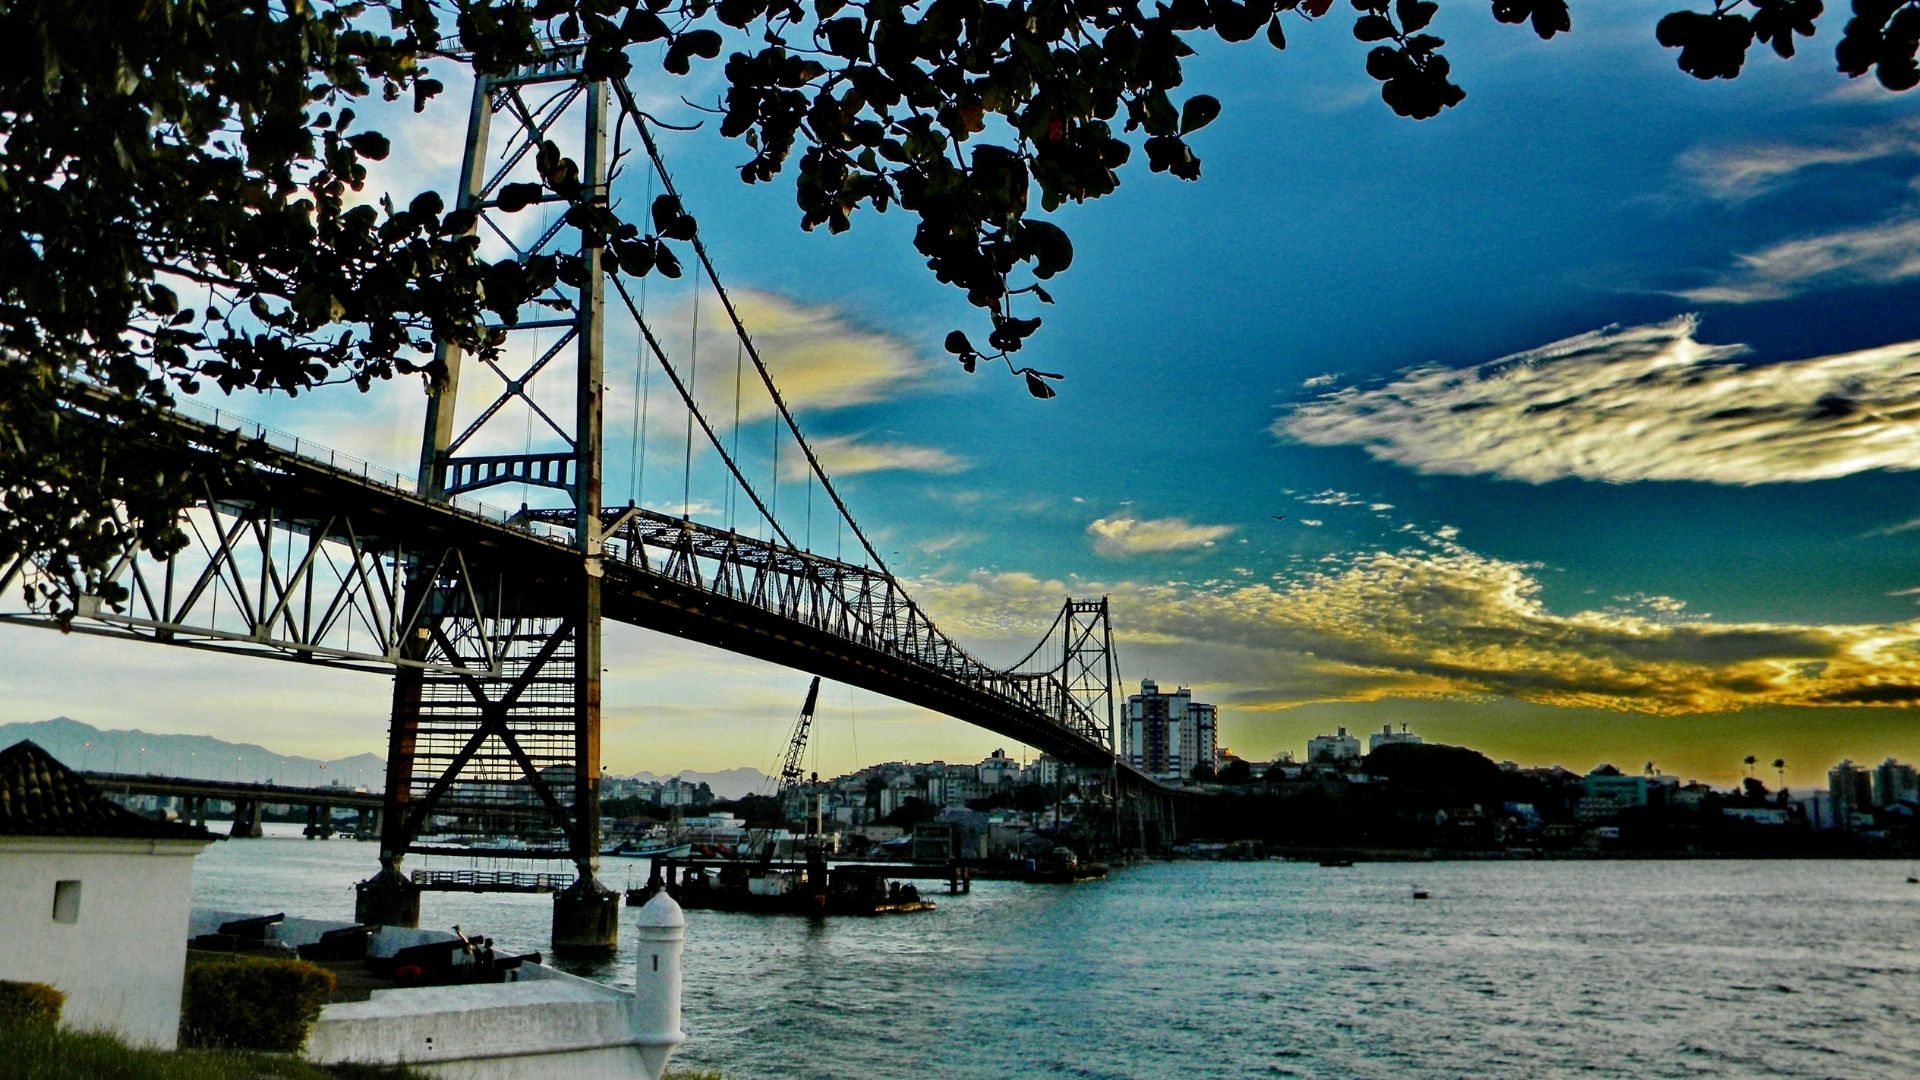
x,y
730,591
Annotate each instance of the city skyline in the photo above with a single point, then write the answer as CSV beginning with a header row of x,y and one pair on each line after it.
x,y
1584,409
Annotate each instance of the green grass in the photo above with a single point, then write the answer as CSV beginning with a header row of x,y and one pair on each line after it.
x,y
40,1052
47,1053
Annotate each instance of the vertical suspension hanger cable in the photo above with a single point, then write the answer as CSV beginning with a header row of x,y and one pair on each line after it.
x,y
733,495
714,438
693,383
643,383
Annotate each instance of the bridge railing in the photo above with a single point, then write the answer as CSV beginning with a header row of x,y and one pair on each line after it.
x,y
320,454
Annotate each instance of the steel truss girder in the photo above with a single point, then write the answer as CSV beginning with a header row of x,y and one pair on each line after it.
x,y
320,586
855,603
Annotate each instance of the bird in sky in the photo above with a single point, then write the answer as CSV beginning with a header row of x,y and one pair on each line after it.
x,y
1278,517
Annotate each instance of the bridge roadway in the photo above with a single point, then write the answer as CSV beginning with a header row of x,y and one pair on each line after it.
x,y
229,791
717,587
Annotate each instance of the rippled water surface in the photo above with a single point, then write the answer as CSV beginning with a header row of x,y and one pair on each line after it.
x,y
1522,969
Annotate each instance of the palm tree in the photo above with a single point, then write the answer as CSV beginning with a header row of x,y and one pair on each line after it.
x,y
1780,770
1750,759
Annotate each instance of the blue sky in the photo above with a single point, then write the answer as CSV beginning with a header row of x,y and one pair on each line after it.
x,y
1590,406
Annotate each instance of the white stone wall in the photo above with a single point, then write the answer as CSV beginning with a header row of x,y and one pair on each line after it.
x,y
122,959
556,1026
547,1023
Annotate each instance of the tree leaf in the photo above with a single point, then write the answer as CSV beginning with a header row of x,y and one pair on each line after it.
x,y
1198,112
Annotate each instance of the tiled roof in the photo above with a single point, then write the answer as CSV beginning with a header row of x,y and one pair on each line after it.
x,y
41,797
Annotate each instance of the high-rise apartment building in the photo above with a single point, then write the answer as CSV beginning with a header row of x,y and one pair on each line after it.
x,y
1851,788
1895,782
1167,735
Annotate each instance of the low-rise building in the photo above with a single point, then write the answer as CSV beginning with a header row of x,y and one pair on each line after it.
x,y
999,769
1607,791
94,900
1340,750
1386,736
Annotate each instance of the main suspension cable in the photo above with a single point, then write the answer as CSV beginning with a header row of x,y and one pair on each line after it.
x,y
627,103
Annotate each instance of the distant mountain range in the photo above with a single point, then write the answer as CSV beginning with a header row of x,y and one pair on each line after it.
x,y
727,784
91,749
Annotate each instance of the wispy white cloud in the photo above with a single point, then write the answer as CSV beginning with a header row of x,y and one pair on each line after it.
x,y
1886,253
1740,172
1642,403
1122,536
1881,253
850,455
941,544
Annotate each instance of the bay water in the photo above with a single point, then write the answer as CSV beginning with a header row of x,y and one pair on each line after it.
x,y
1762,968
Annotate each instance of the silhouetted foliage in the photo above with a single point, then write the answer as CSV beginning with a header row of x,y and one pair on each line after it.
x,y
909,813
756,811
1236,771
1435,766
179,180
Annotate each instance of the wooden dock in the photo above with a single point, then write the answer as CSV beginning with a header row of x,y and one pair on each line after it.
x,y
490,881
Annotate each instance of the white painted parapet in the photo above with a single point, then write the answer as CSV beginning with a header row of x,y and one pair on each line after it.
x,y
660,935
547,1023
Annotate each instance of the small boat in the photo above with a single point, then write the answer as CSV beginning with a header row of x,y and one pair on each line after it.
x,y
1062,867
1419,894
659,851
1336,862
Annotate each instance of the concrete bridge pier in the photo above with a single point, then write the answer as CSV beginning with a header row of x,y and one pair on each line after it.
x,y
367,825
586,917
320,824
246,819
387,899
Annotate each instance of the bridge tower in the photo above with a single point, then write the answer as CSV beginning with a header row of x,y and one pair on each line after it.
x,y
1087,675
509,739
1086,638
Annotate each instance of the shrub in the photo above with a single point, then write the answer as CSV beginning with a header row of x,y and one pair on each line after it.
x,y
252,1003
29,1003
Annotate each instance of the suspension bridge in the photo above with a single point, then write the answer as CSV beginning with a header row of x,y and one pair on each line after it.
x,y
489,621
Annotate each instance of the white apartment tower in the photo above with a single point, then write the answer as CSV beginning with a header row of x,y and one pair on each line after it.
x,y
1167,735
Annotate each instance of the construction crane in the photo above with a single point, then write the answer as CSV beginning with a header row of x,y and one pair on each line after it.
x,y
760,842
797,745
